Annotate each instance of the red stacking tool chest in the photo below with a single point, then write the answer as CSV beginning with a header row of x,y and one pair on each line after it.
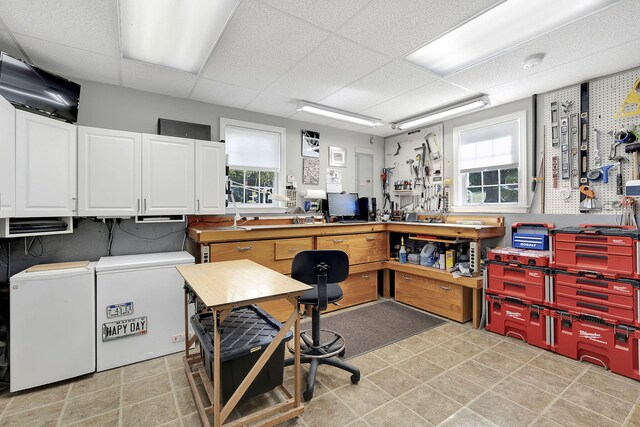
x,y
590,340
610,250
519,319
519,256
528,283
615,301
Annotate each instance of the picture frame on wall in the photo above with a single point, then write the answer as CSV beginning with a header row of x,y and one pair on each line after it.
x,y
310,143
337,157
310,171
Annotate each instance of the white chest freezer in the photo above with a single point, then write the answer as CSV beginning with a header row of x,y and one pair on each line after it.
x,y
140,307
52,333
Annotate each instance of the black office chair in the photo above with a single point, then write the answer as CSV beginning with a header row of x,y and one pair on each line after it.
x,y
323,270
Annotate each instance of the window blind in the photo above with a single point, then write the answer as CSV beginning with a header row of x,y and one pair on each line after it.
x,y
253,148
489,147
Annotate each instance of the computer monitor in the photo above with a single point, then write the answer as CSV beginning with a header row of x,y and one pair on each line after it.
x,y
343,204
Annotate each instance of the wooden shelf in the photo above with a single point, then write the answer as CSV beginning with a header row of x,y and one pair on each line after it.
x,y
435,273
437,240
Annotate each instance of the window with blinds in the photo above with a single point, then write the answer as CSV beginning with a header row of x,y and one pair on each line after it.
x,y
490,162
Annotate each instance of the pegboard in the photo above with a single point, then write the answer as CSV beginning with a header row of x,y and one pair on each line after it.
x,y
420,199
605,97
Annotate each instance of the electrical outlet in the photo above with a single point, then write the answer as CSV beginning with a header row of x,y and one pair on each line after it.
x,y
177,337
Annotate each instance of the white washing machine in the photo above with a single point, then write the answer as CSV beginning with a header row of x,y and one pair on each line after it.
x,y
139,307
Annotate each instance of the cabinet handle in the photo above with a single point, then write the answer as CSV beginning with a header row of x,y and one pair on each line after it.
x,y
338,240
293,249
75,204
366,277
145,205
243,248
138,206
406,277
198,205
446,288
369,239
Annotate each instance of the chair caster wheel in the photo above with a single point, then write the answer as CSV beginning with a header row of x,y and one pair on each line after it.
x,y
341,354
355,378
307,396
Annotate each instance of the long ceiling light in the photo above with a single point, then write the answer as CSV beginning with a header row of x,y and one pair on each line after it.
x,y
334,113
498,30
174,34
438,115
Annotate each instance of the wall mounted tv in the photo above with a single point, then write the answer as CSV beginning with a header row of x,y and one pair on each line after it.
x,y
31,88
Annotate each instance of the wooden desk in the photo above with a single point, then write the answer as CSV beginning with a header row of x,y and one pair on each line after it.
x,y
221,287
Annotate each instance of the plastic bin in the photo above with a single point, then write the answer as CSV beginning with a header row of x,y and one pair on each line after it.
x,y
528,235
519,256
244,335
529,283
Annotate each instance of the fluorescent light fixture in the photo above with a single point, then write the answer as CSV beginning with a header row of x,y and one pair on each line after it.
x,y
438,115
507,25
174,34
334,113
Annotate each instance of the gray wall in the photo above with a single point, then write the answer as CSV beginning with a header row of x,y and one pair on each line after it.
x,y
115,107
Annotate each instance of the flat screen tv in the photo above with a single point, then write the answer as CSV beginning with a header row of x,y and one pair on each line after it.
x,y
31,88
343,204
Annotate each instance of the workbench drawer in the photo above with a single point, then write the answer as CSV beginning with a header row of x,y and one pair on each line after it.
x,y
275,254
288,248
361,248
446,299
358,288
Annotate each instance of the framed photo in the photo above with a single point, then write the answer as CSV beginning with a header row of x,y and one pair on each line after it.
x,y
310,143
310,171
337,157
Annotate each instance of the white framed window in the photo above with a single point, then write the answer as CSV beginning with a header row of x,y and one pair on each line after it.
x,y
256,160
490,165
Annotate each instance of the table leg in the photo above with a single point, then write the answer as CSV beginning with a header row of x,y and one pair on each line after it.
x,y
216,371
296,355
186,322
477,308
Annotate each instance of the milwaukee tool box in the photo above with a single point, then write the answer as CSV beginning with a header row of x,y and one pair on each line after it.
x,y
529,283
519,256
615,301
591,340
610,250
519,319
528,235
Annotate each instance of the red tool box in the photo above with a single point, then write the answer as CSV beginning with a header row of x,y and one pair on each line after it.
x,y
519,256
586,339
615,301
519,319
529,283
610,250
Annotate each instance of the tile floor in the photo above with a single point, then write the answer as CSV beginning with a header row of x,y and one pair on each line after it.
x,y
448,376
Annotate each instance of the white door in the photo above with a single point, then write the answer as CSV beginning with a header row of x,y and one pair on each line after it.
x,y
210,178
167,175
45,166
364,174
7,159
109,172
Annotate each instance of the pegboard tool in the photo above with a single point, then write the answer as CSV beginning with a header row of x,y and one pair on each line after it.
x,y
589,203
600,173
596,151
631,104
619,160
564,147
554,124
575,156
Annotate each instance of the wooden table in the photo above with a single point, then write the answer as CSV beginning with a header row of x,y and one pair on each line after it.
x,y
221,287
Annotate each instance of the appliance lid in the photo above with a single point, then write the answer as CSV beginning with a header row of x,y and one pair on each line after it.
x,y
54,274
129,262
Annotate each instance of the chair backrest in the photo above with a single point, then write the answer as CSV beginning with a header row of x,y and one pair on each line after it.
x,y
304,263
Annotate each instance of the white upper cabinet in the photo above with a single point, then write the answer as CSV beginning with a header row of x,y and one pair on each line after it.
x,y
45,166
109,172
210,176
7,159
167,175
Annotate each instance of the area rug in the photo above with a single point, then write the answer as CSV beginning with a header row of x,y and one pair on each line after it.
x,y
373,326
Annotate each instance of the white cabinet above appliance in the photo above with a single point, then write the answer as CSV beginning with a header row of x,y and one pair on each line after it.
x,y
210,178
7,159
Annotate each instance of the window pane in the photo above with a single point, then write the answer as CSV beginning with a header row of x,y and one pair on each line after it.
x,y
491,194
252,178
508,194
475,178
509,176
267,178
237,184
474,195
490,177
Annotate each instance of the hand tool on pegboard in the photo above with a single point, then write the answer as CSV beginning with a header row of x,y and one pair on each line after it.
x,y
564,148
596,152
575,152
631,104
555,166
554,124
589,203
633,148
600,173
584,135
619,187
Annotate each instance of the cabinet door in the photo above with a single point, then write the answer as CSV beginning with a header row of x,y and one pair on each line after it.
x,y
210,178
109,172
167,175
45,166
7,159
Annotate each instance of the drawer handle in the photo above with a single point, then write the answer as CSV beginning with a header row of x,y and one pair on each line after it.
x,y
446,288
338,240
592,294
593,306
596,247
370,239
293,249
579,254
406,277
367,277
243,248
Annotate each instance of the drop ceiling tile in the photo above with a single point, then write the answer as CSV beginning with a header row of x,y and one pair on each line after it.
x,y
383,131
84,24
421,100
311,118
333,65
329,14
151,78
220,93
399,27
275,105
7,45
571,42
350,126
259,45
70,62
384,83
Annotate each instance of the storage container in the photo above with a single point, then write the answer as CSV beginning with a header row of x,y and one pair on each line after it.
x,y
526,235
529,283
244,335
519,256
590,340
519,319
